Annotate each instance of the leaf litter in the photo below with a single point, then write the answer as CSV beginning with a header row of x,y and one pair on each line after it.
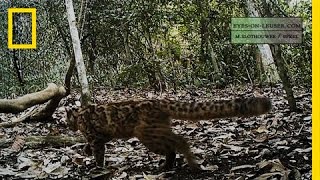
x,y
272,146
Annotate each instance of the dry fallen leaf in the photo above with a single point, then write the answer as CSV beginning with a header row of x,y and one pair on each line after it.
x,y
18,143
128,159
246,166
78,159
233,148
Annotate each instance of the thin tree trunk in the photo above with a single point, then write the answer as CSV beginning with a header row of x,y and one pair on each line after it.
x,y
282,69
17,67
213,56
85,93
266,54
63,34
153,66
204,33
276,50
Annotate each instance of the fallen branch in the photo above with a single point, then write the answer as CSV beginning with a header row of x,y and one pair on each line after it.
x,y
33,142
22,103
52,93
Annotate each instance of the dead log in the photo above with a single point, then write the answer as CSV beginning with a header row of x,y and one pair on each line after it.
x,y
52,93
22,103
33,142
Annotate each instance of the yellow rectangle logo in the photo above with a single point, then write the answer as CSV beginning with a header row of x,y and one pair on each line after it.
x,y
33,44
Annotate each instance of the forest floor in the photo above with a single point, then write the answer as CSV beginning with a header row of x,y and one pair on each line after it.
x,y
272,146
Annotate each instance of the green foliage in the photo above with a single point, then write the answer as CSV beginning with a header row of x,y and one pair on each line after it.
x,y
36,67
127,42
299,57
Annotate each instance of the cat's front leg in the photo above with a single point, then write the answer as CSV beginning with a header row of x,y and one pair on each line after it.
x,y
87,149
98,149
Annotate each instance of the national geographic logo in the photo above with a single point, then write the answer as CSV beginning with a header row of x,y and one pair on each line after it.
x,y
33,44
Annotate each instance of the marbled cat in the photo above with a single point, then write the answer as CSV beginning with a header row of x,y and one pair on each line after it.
x,y
150,122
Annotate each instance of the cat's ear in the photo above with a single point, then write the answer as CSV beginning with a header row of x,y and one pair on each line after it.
x,y
67,109
68,112
72,116
91,107
71,110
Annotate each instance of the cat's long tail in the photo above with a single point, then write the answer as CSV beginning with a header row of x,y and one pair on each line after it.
x,y
195,111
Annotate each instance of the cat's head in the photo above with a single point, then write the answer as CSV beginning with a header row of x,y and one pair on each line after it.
x,y
72,118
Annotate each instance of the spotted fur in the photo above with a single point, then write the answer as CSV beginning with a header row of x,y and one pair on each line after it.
x,y
150,122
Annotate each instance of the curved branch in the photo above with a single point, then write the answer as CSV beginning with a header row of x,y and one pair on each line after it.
x,y
29,100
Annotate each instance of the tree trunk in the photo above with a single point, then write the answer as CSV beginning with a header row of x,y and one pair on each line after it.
x,y
276,50
85,93
153,68
17,68
266,55
213,56
65,38
282,69
202,7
